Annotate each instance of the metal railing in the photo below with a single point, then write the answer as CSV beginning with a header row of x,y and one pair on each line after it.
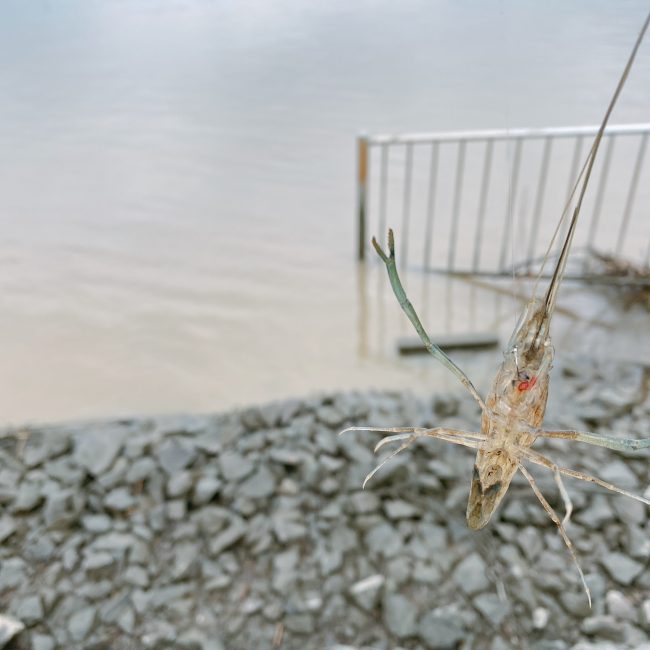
x,y
479,182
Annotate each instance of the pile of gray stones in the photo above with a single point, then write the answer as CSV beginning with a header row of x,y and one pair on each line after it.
x,y
250,530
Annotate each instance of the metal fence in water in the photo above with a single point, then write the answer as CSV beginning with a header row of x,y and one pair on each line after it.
x,y
485,202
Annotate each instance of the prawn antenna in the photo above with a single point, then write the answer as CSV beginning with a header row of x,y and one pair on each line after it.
x,y
584,176
407,307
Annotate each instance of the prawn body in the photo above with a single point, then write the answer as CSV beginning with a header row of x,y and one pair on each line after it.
x,y
513,413
515,409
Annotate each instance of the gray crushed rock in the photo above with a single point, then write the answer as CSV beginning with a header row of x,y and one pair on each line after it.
x,y
250,529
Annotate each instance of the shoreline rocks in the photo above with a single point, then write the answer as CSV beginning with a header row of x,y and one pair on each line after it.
x,y
250,529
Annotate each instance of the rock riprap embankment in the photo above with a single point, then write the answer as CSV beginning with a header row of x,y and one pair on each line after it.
x,y
250,530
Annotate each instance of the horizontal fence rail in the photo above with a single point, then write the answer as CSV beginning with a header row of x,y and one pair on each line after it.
x,y
487,202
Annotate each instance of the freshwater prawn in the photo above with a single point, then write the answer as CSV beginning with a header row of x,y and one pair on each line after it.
x,y
513,412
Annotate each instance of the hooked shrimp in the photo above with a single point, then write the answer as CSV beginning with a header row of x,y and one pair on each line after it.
x,y
513,412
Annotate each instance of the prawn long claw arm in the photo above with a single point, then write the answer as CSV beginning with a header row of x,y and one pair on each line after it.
x,y
407,307
610,442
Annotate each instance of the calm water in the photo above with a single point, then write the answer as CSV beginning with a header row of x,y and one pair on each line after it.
x,y
177,182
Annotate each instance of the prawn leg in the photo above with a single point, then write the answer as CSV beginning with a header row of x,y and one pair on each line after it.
x,y
448,435
407,307
556,520
540,459
611,442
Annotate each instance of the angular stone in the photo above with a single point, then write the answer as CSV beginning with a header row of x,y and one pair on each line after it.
x,y
205,490
179,484
299,623
399,615
604,627
234,466
471,574
363,503
620,607
259,485
30,610
235,531
62,508
96,450
492,607
141,470
398,509
441,631
99,565
126,620
384,540
97,523
366,592
81,622
12,573
7,527
619,473
28,497
173,456
621,568
119,499
287,457
288,526
9,628
136,576
41,642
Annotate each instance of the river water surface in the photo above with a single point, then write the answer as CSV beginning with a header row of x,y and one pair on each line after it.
x,y
177,183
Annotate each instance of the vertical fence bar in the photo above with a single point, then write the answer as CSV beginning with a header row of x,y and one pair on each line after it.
x,y
539,199
433,178
601,191
482,203
406,206
631,193
455,213
575,161
362,194
514,179
383,192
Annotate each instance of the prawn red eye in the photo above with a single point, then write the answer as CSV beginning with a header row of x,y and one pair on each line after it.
x,y
527,384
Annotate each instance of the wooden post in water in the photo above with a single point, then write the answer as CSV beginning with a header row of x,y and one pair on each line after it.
x,y
362,193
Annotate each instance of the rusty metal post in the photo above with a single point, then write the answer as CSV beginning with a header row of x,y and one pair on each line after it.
x,y
362,194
